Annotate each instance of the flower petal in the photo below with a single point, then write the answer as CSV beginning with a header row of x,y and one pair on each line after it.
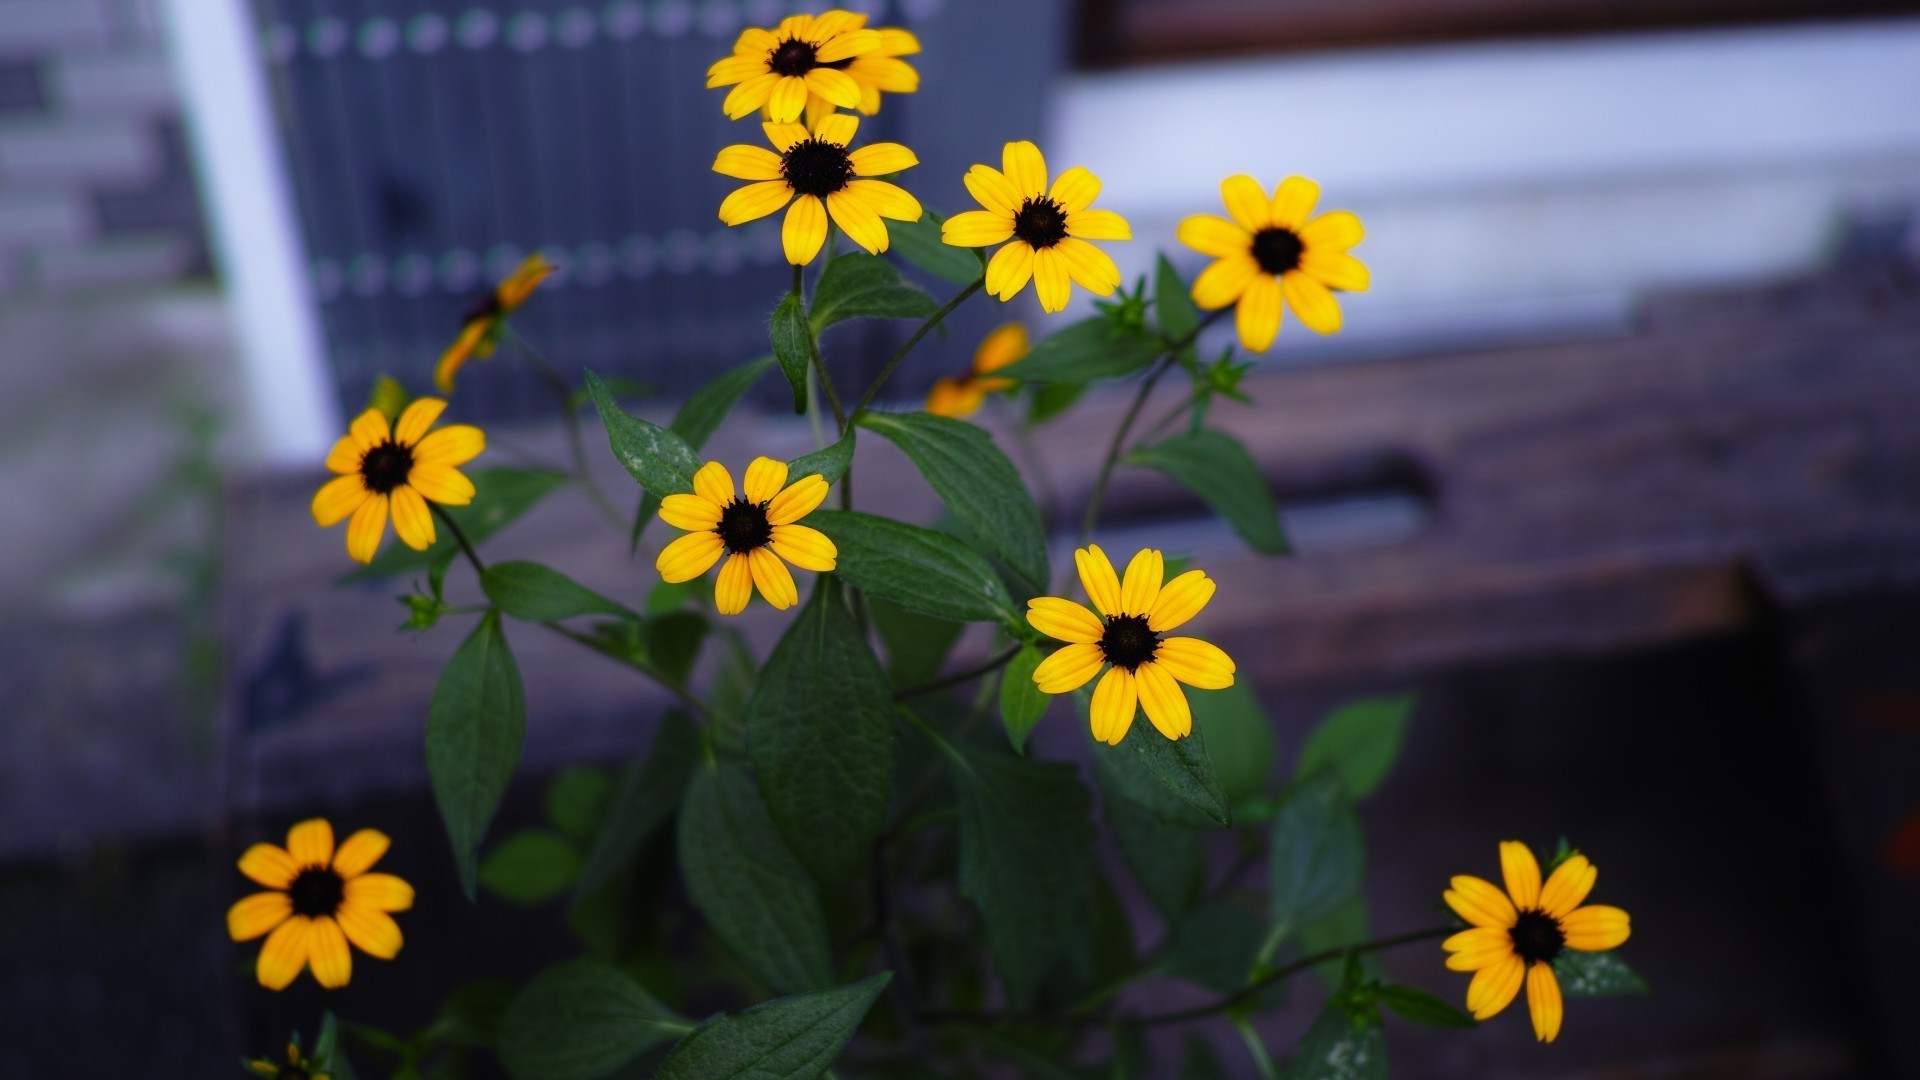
x,y
416,419
442,484
1596,928
765,477
1335,232
772,578
731,70
369,429
1026,169
1312,302
1247,201
1075,189
714,483
1179,600
689,556
380,892
1215,236
734,587
1567,886
799,499
1069,668
1091,268
1051,282
411,518
879,159
956,398
1480,903
787,100
976,228
252,916
754,201
804,547
284,954
1098,225
847,45
837,87
1543,1001
859,221
1225,280
345,456
1164,701
834,127
1009,270
1003,346
804,230
328,953
783,136
1141,585
366,528
1494,986
1522,873
311,842
689,512
1064,620
359,852
1098,578
1258,316
1482,946
372,932
750,95
270,865
1336,270
337,499
748,163
1293,202
1114,704
887,200
1200,664
453,445
991,189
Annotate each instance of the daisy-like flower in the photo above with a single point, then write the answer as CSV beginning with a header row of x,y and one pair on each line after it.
x,y
396,470
1517,934
816,171
482,324
1274,249
1127,633
781,68
754,530
1046,228
962,396
296,1067
320,899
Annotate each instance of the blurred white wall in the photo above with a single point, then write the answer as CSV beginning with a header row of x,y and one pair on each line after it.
x,y
1515,187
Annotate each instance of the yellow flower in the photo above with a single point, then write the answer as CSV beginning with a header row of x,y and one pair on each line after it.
x,y
320,900
396,470
1127,633
780,69
961,397
821,176
1517,934
297,1067
1049,228
482,324
754,532
1274,249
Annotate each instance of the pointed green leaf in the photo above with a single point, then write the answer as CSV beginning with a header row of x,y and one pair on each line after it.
x,y
576,800
657,457
699,416
793,345
1021,702
919,569
501,496
531,866
831,462
862,286
820,732
1126,771
1421,1007
1239,738
1091,349
1167,858
1182,766
1316,855
1339,1047
536,593
1214,466
1358,743
792,1038
474,730
648,792
919,243
1026,848
976,481
1172,303
581,1020
1596,974
742,876
916,645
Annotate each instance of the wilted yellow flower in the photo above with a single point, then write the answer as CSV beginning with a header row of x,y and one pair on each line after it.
x,y
482,324
396,470
1147,668
780,69
754,531
1517,934
320,899
1046,228
1274,249
962,396
821,176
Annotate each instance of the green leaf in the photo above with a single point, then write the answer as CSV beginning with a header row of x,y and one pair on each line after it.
x,y
581,1020
1239,738
792,1038
1358,743
501,496
531,866
917,646
977,483
1182,766
1343,926
698,418
1316,854
1021,702
1172,303
830,462
1091,349
793,346
471,1014
648,792
658,458
1214,466
673,643
742,876
1026,848
820,733
1051,399
1167,858
576,800
1338,1047
1596,974
1126,771
536,593
474,729
862,286
1421,1007
919,569
919,243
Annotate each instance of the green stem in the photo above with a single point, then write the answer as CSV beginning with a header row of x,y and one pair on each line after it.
x,y
1276,975
459,536
576,448
1257,1049
986,668
880,380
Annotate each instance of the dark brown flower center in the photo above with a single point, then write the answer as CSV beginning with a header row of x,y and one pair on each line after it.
x,y
487,307
1128,641
744,526
816,167
316,891
1537,937
1277,250
386,467
792,57
1040,222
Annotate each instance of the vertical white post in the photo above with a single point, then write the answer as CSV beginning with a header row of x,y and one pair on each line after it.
x,y
256,237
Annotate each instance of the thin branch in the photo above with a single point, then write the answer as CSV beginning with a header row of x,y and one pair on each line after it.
x,y
1310,960
880,380
988,667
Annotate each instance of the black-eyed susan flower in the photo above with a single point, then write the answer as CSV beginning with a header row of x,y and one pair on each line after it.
x,y
395,470
319,899
1126,637
1274,250
817,172
482,325
781,68
297,1066
962,396
754,530
1045,229
1516,935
